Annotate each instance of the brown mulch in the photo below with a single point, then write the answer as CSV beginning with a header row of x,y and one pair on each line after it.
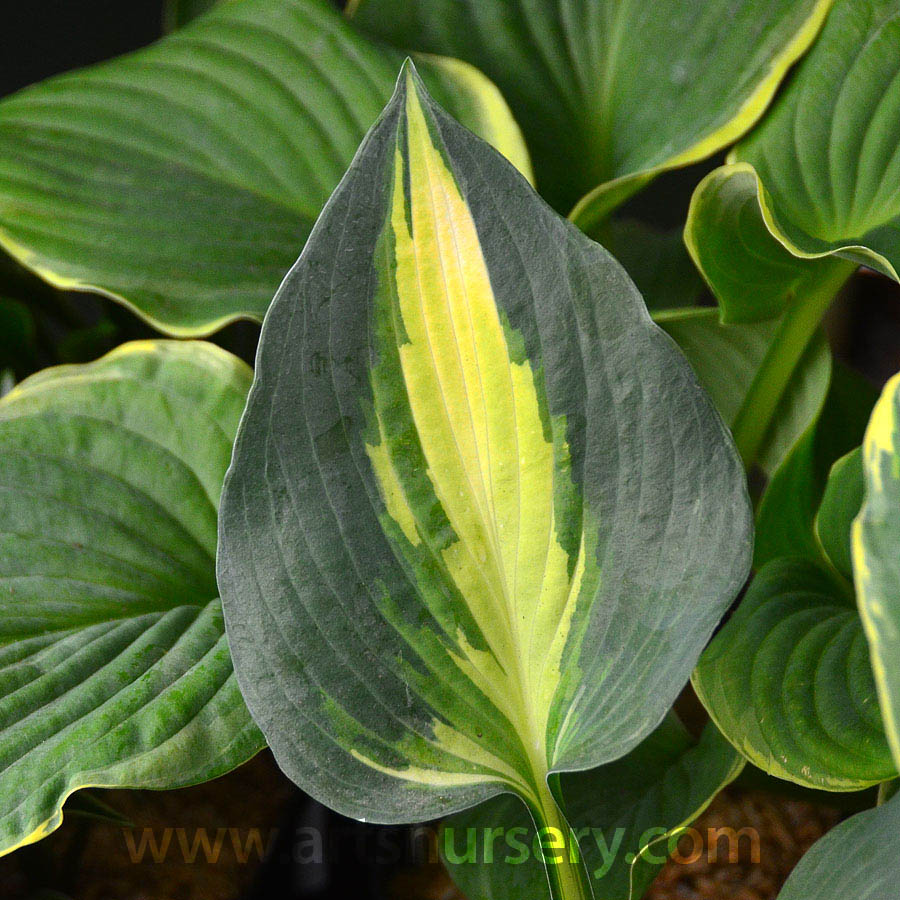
x,y
786,828
97,861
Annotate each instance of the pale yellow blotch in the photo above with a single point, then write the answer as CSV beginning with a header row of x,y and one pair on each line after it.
x,y
478,418
880,444
452,742
391,489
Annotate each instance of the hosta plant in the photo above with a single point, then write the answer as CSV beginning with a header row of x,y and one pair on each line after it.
x,y
501,484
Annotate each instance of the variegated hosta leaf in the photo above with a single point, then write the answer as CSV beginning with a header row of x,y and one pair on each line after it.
x,y
609,92
818,178
876,554
114,667
182,180
480,519
854,861
628,814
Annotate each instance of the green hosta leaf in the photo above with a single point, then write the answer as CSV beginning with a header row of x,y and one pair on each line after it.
x,y
876,559
840,503
785,522
788,679
727,359
854,861
609,93
627,813
183,179
114,667
817,178
789,682
480,519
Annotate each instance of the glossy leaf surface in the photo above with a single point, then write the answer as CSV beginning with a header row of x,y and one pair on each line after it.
x,y
183,179
480,519
114,666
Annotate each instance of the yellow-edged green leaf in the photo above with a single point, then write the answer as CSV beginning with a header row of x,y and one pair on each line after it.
x,y
181,180
628,814
114,666
817,179
481,519
611,92
876,559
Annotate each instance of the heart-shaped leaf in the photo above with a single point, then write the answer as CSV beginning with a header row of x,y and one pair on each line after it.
x,y
854,861
817,179
627,814
181,180
480,519
611,93
876,554
114,667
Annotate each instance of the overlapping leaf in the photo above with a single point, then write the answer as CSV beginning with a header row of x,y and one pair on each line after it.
x,y
727,359
817,179
183,179
610,93
480,519
876,558
114,667
786,519
789,679
628,814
